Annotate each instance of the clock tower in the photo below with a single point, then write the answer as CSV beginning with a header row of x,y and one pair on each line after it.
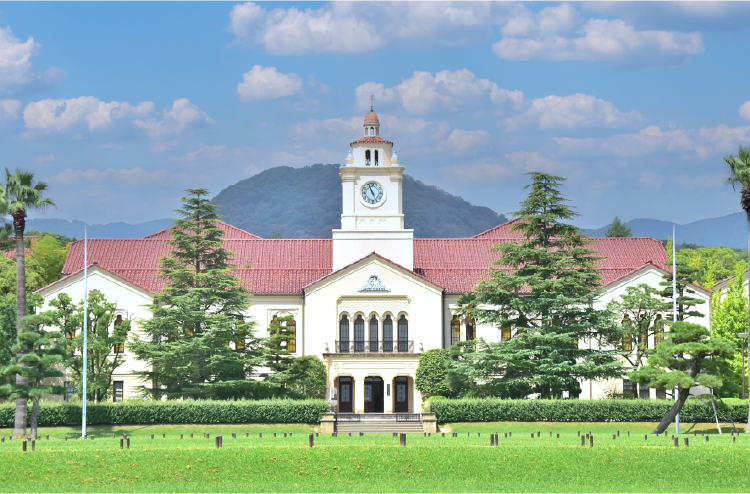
x,y
372,216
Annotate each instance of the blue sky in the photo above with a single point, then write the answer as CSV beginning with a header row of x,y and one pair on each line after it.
x,y
121,106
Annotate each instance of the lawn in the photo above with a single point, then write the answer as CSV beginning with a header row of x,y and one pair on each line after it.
x,y
376,463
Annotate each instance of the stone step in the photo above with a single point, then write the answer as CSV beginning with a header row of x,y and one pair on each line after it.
x,y
379,427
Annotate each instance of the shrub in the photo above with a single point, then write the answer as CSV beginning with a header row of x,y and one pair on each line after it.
x,y
177,412
497,410
431,372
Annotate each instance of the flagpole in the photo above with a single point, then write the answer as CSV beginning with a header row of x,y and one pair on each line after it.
x,y
85,327
674,309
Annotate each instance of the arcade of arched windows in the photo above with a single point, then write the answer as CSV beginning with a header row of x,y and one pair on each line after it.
x,y
373,333
463,329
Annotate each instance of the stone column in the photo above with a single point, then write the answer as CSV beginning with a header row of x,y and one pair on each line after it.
x,y
359,395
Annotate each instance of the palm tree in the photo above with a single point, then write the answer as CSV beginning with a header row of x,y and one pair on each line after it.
x,y
739,176
21,195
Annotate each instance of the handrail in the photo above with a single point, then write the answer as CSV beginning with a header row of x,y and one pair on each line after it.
x,y
375,346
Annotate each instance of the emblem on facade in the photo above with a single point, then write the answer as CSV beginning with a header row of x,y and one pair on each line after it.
x,y
374,285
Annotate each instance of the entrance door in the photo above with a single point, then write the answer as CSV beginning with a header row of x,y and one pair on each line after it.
x,y
373,395
346,393
402,395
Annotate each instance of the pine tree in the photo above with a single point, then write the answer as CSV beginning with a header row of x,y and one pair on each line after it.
x,y
543,289
686,300
618,229
688,357
39,364
105,346
197,341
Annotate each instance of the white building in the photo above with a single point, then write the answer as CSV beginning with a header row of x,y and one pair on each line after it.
x,y
368,301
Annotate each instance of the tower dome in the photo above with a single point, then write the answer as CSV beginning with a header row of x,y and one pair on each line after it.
x,y
372,124
371,118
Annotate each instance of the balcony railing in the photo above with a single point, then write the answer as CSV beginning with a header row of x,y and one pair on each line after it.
x,y
372,346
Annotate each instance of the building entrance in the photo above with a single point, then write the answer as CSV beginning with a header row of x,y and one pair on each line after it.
x,y
346,394
374,395
401,396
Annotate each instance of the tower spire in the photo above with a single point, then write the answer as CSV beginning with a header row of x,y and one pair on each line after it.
x,y
371,97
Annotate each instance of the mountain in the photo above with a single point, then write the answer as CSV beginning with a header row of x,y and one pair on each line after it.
x,y
306,202
110,230
726,231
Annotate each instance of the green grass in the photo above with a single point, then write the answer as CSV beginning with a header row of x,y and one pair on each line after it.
x,y
376,463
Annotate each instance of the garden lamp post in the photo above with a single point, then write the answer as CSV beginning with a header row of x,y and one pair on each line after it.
x,y
742,337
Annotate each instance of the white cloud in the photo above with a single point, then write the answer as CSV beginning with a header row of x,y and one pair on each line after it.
x,y
573,112
361,27
126,110
164,146
9,109
61,114
423,93
183,115
744,110
128,176
209,153
525,162
16,69
45,159
555,33
460,140
264,83
655,141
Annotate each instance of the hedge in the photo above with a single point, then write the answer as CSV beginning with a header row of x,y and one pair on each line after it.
x,y
497,410
176,412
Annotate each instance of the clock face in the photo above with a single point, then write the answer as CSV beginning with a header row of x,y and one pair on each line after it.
x,y
372,192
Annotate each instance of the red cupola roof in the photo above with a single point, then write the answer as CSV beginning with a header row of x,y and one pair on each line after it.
x,y
371,118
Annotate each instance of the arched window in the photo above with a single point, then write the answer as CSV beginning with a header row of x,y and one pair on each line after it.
x,y
376,157
359,334
403,334
373,334
291,330
367,158
627,343
344,334
455,330
470,333
119,347
388,334
372,131
505,333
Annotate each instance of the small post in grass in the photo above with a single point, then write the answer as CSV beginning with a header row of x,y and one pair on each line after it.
x,y
234,435
628,433
614,437
33,445
734,439
706,437
618,433
686,442
361,434
2,440
66,438
47,436
247,434
492,439
285,435
550,433
510,434
591,441
316,434
218,443
152,436
127,442
122,441
402,439
274,434
583,440
350,434
676,442
394,434
645,437
579,433
163,436
312,438
24,445
506,435
532,435
260,435
181,436
558,435
191,435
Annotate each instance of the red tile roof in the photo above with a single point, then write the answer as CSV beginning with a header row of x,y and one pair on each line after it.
x,y
288,265
371,140
371,118
230,233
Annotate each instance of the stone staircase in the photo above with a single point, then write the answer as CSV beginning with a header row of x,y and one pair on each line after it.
x,y
379,422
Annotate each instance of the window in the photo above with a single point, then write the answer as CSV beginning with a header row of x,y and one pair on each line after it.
x,y
470,334
118,391
376,157
627,343
388,334
628,391
372,131
291,328
239,344
661,394
119,347
69,391
455,330
374,334
403,334
643,333
505,330
344,334
643,392
367,158
359,334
